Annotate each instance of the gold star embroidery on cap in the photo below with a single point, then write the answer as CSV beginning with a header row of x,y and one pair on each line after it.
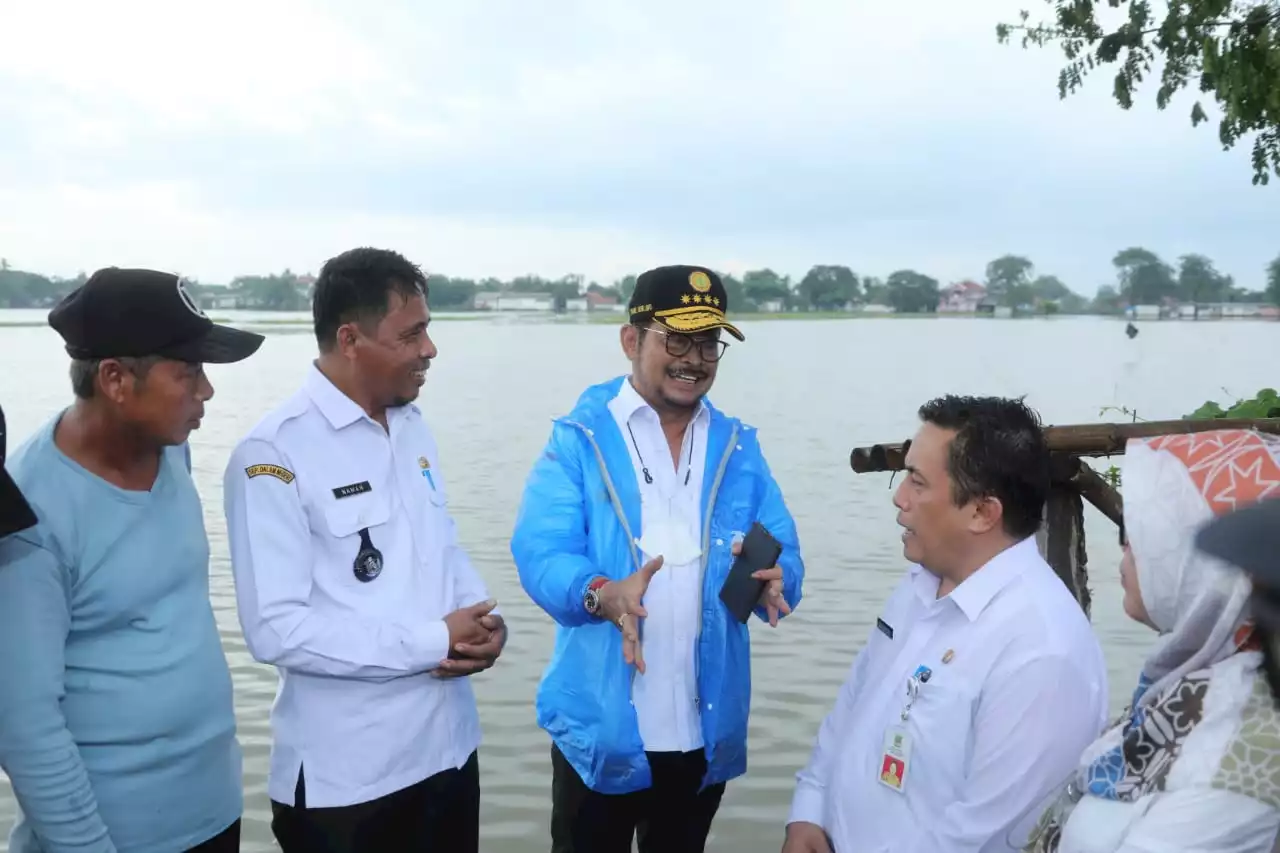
x,y
684,298
697,298
715,300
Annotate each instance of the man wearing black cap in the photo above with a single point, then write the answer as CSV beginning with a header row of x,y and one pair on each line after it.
x,y
118,728
626,534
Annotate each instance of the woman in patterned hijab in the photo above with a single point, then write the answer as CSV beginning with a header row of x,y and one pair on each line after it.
x,y
1194,763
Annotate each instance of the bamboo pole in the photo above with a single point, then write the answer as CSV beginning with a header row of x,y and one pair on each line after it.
x,y
1078,440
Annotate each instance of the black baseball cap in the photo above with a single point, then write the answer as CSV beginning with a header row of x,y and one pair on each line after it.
x,y
683,299
1249,539
121,313
15,512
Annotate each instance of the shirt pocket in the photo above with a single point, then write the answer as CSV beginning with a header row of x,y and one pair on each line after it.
x,y
941,727
348,519
345,520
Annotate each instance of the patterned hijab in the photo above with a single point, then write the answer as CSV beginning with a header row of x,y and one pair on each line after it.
x,y
1172,486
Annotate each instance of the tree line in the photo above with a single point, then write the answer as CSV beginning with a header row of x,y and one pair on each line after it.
x,y
1012,281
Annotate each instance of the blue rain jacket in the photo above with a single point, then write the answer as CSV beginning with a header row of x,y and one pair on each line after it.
x,y
578,520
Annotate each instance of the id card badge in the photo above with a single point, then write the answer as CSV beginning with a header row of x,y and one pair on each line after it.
x,y
895,763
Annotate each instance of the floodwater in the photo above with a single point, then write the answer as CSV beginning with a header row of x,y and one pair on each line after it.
x,y
815,389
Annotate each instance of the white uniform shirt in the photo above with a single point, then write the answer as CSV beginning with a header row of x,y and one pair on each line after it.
x,y
1018,689
356,706
666,695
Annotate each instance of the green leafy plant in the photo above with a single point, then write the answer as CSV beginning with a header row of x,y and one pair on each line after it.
x,y
1265,404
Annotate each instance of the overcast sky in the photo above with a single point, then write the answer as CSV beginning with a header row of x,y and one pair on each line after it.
x,y
501,137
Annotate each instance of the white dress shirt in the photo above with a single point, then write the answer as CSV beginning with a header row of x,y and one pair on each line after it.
x,y
357,706
666,695
1018,689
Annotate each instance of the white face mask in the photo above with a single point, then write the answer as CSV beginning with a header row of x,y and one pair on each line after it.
x,y
669,540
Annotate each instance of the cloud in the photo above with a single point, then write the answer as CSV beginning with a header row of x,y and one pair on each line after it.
x,y
596,137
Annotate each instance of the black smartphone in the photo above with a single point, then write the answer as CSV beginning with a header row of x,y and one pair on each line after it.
x,y
741,592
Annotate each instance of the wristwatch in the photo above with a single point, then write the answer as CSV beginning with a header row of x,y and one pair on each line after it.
x,y
591,599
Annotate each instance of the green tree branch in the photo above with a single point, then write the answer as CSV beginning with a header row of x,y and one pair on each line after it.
x,y
1229,49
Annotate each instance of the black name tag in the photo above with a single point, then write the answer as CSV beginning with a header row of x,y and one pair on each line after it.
x,y
884,628
353,489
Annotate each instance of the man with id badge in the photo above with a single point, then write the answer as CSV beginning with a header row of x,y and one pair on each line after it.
x,y
350,580
982,682
627,538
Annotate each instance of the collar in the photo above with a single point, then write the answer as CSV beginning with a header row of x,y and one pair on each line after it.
x,y
339,409
980,588
628,401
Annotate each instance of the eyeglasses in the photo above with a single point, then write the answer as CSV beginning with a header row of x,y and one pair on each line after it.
x,y
678,346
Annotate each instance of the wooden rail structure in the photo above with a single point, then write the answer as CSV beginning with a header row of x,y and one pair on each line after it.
x,y
1061,538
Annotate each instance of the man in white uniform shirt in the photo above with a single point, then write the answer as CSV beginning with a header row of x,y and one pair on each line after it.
x,y
350,580
981,682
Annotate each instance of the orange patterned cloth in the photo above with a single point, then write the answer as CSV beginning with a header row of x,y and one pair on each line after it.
x,y
1230,467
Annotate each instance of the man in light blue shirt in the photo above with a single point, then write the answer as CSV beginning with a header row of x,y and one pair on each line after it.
x,y
117,728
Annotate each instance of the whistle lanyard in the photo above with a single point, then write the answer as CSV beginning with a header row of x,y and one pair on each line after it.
x,y
644,469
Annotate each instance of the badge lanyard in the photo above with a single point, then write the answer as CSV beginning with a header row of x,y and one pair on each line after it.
x,y
368,562
895,762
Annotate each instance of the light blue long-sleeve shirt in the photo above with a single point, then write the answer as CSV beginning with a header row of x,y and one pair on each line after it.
x,y
117,728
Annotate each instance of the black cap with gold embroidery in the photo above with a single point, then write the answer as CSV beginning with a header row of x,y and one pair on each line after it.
x,y
683,299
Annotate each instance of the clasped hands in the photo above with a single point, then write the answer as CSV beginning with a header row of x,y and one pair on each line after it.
x,y
476,639
620,603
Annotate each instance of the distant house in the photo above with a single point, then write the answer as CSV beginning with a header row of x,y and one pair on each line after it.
x,y
1227,311
1144,312
602,302
963,297
215,296
512,301
770,306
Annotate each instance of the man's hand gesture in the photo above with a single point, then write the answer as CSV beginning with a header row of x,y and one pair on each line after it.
x,y
620,604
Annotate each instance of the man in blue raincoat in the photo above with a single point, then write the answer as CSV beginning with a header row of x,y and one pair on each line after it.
x,y
629,525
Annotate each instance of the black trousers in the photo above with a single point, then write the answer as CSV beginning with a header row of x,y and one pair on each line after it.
x,y
440,814
672,816
227,841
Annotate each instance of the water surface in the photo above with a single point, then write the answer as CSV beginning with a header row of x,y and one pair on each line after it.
x,y
814,388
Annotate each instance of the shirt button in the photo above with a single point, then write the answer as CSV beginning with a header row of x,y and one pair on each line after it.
x,y
719,542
